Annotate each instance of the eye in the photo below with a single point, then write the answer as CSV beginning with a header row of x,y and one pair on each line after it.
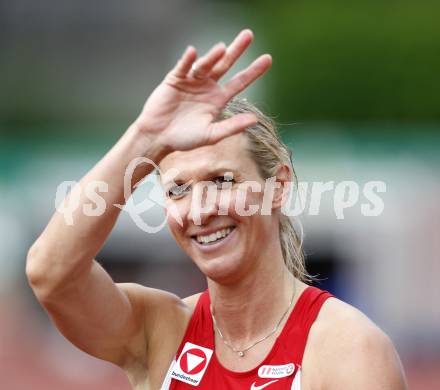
x,y
178,190
220,180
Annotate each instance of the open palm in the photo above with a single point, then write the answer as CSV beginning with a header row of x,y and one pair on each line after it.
x,y
183,109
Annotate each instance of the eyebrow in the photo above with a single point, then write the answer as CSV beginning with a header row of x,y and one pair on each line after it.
x,y
218,170
210,174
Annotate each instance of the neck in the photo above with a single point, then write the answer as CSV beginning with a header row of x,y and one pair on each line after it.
x,y
250,308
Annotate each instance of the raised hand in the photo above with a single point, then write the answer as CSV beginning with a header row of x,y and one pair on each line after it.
x,y
181,112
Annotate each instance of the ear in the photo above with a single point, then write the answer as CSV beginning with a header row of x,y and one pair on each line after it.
x,y
283,181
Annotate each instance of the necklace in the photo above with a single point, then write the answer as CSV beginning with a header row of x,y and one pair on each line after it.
x,y
241,352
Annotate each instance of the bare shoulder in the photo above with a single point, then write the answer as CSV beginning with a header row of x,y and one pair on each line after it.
x,y
161,312
151,301
343,323
350,351
165,318
192,300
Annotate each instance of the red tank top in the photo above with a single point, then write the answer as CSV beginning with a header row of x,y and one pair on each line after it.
x,y
196,363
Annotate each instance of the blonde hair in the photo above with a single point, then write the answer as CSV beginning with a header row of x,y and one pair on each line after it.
x,y
269,152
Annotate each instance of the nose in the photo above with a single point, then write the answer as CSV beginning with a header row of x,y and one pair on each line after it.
x,y
204,203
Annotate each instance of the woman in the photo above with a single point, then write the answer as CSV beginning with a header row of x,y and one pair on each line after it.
x,y
258,325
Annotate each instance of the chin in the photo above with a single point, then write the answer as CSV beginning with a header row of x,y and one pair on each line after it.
x,y
223,269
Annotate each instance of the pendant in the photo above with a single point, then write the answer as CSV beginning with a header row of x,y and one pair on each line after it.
x,y
240,353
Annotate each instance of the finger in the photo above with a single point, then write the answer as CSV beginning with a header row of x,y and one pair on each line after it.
x,y
205,63
246,77
233,52
230,126
183,66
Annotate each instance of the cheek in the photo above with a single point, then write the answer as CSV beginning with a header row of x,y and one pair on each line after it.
x,y
240,202
173,225
175,215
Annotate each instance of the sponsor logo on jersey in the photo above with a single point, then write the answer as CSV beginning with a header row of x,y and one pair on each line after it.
x,y
259,387
192,364
276,371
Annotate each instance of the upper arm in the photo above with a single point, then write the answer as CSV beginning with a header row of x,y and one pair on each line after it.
x,y
107,320
353,353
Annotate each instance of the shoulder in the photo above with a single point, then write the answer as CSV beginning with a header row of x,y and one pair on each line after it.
x,y
162,313
152,300
165,319
350,351
160,307
192,300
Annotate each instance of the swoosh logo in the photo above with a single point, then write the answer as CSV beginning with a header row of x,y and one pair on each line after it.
x,y
255,387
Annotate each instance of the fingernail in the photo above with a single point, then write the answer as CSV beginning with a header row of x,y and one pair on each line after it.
x,y
248,30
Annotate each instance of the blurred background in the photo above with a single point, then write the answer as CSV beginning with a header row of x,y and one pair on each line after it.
x,y
354,87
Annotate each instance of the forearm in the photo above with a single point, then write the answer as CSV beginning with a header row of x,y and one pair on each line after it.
x,y
64,251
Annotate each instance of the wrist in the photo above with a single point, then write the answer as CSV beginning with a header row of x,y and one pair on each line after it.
x,y
148,144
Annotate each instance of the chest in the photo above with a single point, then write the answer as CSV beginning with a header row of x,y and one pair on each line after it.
x,y
202,367
253,357
273,376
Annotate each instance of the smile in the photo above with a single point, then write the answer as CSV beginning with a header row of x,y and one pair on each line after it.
x,y
214,237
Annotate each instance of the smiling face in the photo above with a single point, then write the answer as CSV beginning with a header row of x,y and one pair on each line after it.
x,y
225,246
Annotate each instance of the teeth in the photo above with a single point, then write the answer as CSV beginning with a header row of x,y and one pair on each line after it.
x,y
214,236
